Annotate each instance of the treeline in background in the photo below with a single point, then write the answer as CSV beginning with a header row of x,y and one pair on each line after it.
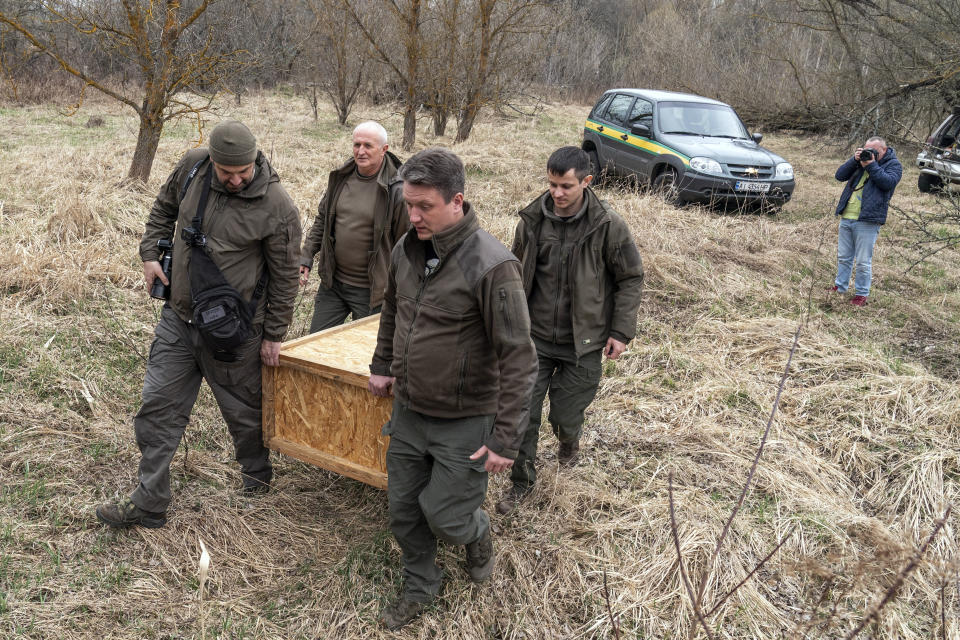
x,y
843,67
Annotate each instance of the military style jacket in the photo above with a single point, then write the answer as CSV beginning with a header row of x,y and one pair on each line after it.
x,y
246,231
390,222
606,272
458,340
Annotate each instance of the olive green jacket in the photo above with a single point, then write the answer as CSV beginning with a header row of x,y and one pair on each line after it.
x,y
606,272
390,222
257,227
458,341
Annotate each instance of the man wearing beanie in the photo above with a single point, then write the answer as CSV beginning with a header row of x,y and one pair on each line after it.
x,y
251,230
359,220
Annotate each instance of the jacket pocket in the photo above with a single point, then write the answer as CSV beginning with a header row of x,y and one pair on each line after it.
x,y
243,375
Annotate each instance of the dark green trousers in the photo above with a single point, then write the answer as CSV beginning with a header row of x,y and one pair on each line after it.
x,y
572,386
332,305
434,490
178,363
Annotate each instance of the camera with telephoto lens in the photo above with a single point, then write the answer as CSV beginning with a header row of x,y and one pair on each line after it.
x,y
867,154
159,290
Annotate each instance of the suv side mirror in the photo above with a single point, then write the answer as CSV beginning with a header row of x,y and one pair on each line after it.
x,y
757,137
639,129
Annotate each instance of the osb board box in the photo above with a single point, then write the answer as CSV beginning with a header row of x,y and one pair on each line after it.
x,y
316,406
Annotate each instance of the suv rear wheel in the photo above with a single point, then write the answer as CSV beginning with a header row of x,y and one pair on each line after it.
x,y
599,174
665,186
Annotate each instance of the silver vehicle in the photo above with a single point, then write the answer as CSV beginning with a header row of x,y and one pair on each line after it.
x,y
939,161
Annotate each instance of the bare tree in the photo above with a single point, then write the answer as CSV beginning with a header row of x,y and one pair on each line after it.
x,y
156,36
443,60
492,54
403,19
337,55
895,66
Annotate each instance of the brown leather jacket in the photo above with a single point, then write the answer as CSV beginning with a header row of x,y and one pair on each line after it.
x,y
458,341
606,273
245,231
390,223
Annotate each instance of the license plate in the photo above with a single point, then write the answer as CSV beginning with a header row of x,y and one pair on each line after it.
x,y
746,185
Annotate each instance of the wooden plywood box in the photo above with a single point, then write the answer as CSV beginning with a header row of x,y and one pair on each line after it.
x,y
316,406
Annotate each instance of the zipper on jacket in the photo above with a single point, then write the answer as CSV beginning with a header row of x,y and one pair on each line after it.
x,y
504,312
461,375
413,324
556,302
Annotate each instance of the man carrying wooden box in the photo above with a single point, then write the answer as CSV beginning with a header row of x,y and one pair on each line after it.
x,y
454,347
359,219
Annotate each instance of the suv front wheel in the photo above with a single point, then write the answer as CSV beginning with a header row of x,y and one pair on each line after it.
x,y
665,186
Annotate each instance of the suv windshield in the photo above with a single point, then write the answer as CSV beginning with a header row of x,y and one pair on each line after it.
x,y
698,119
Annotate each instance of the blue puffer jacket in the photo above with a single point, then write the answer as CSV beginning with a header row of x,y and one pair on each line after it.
x,y
884,176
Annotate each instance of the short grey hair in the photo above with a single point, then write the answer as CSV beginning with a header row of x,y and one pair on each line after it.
x,y
877,139
372,127
435,167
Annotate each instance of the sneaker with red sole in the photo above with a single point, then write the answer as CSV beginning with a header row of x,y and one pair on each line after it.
x,y
833,289
858,301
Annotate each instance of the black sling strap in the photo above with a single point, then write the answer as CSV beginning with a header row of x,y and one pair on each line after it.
x,y
214,276
223,318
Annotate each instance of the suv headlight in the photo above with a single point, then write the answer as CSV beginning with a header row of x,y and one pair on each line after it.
x,y
706,165
784,171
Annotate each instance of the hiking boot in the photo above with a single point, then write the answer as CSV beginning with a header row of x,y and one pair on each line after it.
x,y
833,289
858,301
126,514
480,558
252,486
401,612
512,499
568,453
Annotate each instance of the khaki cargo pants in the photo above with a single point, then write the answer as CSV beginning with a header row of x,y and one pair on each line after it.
x,y
331,306
572,385
178,363
434,490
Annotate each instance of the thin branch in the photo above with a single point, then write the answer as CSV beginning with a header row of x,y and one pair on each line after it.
x,y
606,596
766,433
755,569
894,588
683,572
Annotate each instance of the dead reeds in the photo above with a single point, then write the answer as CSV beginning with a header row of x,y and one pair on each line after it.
x,y
862,462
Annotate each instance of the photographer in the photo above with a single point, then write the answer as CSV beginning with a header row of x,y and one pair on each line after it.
x,y
231,294
871,176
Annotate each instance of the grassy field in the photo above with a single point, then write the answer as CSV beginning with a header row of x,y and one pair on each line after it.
x,y
863,457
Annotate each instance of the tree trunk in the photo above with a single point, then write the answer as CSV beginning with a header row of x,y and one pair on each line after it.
x,y
412,45
409,126
151,126
465,125
440,116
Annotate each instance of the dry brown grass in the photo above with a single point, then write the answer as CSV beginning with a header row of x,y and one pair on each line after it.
x,y
863,457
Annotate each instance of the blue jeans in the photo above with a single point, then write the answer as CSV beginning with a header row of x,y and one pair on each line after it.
x,y
855,242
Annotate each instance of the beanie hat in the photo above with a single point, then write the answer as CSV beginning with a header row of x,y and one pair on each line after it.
x,y
232,144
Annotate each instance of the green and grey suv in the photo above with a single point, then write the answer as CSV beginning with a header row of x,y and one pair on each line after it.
x,y
687,147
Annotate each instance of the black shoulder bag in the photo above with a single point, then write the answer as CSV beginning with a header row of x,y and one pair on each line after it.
x,y
223,317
